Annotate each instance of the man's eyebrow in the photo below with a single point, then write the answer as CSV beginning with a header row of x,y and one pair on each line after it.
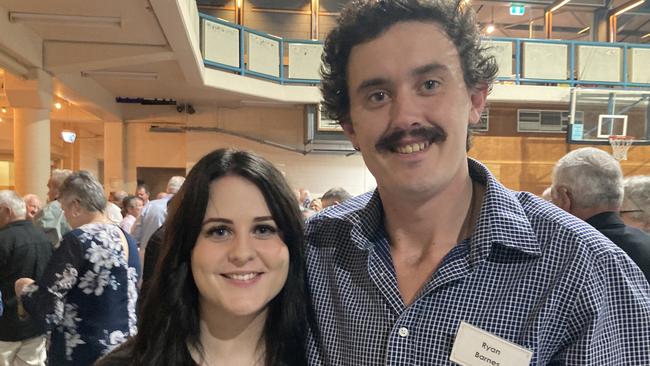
x,y
418,71
428,68
371,83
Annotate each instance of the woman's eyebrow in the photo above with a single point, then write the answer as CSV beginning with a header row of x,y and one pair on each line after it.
x,y
263,218
217,219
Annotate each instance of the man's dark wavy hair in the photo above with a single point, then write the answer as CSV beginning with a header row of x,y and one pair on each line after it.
x,y
169,320
364,20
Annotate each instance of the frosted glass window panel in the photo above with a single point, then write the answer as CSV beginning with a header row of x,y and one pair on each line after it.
x,y
263,55
502,52
6,174
220,43
305,61
545,61
599,63
639,65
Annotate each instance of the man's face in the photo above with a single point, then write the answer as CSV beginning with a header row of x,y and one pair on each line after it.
x,y
326,202
33,206
113,199
142,193
410,109
52,191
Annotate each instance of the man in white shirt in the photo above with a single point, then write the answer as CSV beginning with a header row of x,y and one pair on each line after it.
x,y
156,214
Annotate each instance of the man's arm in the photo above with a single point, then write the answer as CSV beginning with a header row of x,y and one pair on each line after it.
x,y
610,324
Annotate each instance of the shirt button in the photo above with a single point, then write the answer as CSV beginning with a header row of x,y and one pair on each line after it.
x,y
403,332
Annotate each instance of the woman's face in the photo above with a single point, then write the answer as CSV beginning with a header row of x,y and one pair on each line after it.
x,y
71,211
239,261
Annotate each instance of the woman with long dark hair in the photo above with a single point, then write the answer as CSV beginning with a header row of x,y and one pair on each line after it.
x,y
229,287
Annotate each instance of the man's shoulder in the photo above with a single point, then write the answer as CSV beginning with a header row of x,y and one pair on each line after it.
x,y
355,220
562,233
633,241
53,206
347,211
50,211
158,205
23,231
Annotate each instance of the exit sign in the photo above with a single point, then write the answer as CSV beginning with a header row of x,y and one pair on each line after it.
x,y
517,9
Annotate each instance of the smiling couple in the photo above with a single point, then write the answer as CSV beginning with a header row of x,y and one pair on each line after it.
x,y
438,261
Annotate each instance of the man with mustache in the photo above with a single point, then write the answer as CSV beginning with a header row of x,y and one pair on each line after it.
x,y
442,263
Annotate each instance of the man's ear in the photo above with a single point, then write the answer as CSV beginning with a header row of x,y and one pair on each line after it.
x,y
5,215
478,97
562,198
349,133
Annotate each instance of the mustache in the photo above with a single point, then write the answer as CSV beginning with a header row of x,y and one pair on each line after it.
x,y
432,134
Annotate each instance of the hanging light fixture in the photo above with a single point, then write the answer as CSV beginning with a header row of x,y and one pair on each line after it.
x,y
490,27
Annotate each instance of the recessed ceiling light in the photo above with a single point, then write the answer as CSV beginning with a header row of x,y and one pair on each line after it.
x,y
67,20
135,75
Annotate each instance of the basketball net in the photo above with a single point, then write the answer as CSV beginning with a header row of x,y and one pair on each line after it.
x,y
620,145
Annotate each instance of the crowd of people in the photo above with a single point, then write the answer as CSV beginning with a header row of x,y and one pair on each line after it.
x,y
440,263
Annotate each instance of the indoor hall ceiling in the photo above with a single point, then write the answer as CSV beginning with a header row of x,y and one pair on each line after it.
x,y
87,40
139,44
138,23
567,21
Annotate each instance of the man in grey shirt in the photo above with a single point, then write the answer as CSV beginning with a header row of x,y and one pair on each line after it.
x,y
51,218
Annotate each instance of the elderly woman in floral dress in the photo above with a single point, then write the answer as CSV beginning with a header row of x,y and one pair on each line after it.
x,y
88,292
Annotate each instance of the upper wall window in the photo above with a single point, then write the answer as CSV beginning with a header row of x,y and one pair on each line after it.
x,y
535,120
484,123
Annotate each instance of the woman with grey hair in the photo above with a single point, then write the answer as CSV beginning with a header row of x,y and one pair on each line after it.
x,y
635,210
88,292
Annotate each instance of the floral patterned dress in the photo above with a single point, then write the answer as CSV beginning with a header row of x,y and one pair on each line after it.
x,y
87,295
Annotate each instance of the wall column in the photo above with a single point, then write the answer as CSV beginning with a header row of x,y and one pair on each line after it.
x,y
113,156
31,151
599,27
31,99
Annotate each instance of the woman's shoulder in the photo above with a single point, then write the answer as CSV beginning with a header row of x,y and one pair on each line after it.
x,y
120,356
97,232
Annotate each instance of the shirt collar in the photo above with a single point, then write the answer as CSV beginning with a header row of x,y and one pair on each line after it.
x,y
22,222
605,219
502,219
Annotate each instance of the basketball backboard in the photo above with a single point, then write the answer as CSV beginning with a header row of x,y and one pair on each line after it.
x,y
595,115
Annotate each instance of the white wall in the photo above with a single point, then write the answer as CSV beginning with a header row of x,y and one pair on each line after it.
x,y
6,174
91,151
316,172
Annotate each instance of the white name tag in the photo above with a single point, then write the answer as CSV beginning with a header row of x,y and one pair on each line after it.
x,y
476,347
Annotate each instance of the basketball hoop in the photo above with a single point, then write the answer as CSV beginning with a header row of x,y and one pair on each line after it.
x,y
620,145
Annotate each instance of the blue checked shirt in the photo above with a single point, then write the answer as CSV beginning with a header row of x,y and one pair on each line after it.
x,y
530,273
